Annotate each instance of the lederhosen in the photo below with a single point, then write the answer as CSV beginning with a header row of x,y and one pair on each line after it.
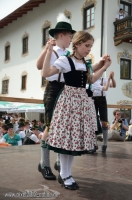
x,y
52,90
101,106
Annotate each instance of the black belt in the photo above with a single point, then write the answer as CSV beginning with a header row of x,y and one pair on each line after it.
x,y
56,83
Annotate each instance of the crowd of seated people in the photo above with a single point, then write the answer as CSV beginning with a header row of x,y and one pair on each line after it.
x,y
18,131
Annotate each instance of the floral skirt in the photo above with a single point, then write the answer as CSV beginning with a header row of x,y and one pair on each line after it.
x,y
73,125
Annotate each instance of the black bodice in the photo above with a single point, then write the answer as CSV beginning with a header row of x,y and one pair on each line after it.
x,y
75,78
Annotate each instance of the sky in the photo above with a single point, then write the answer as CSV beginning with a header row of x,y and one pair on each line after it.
x,y
8,6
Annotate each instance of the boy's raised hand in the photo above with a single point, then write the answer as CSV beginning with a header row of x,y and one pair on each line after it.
x,y
50,44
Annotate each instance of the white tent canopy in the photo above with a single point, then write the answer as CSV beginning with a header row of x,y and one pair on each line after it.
x,y
21,107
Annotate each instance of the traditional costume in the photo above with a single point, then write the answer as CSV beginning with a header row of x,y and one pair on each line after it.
x,y
73,125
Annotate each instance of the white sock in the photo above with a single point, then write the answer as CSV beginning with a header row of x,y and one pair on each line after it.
x,y
64,171
70,167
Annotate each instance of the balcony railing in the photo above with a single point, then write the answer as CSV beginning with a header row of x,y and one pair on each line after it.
x,y
123,30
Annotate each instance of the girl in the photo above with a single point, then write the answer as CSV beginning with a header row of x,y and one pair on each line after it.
x,y
73,125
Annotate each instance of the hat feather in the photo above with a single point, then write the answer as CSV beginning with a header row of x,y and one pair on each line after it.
x,y
62,18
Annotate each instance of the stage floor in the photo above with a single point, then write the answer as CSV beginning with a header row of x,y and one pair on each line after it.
x,y
100,176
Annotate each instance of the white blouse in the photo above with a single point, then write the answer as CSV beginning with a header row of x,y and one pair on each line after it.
x,y
63,65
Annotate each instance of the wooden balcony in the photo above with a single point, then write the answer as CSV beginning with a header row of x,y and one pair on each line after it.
x,y
123,30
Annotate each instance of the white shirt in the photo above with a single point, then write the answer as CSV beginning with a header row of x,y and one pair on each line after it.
x,y
22,134
97,88
121,15
60,52
34,138
63,65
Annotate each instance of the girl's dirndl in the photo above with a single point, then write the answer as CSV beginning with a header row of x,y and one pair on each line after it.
x,y
73,125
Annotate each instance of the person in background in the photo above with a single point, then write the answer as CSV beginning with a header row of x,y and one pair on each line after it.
x,y
21,131
11,137
118,127
122,14
99,89
32,137
4,129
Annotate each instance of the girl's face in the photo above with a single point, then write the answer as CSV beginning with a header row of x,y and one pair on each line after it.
x,y
84,48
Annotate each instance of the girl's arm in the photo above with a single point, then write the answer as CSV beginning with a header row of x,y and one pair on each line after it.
x,y
94,77
100,64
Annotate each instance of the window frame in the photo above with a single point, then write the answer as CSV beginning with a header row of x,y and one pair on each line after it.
x,y
44,41
129,7
85,17
7,52
25,45
24,82
6,87
128,60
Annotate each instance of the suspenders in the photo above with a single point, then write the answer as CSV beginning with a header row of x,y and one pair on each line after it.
x,y
102,85
57,58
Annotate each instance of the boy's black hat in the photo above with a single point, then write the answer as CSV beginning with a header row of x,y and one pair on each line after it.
x,y
61,26
10,125
21,125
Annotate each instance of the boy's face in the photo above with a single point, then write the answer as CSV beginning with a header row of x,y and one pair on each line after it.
x,y
66,39
84,48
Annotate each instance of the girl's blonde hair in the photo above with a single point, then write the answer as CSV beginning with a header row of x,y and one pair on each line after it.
x,y
80,37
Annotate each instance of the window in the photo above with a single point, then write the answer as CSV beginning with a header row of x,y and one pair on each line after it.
x,y
24,80
125,69
126,7
25,45
43,83
7,52
45,35
89,17
5,84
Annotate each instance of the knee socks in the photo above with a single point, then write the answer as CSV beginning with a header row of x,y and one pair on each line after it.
x,y
105,135
45,156
66,164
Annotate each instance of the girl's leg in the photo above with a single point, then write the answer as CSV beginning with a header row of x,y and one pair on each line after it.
x,y
70,167
64,171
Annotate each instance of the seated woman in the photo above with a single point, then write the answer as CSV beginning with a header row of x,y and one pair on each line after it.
x,y
11,138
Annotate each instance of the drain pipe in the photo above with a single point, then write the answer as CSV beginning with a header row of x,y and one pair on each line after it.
x,y
102,28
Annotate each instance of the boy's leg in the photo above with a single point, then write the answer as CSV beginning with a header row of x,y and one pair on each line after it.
x,y
44,165
57,163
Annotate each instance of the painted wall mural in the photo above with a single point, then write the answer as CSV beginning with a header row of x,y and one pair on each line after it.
x,y
127,89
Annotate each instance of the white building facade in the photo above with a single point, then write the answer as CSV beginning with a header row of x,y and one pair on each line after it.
x,y
22,41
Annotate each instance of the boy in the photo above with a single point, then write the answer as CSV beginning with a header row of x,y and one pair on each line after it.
x,y
62,33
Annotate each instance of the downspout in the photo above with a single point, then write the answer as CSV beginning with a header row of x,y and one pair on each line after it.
x,y
102,28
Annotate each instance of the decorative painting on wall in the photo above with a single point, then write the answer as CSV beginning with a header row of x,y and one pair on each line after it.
x,y
127,89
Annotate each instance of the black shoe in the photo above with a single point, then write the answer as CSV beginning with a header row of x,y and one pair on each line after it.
x,y
75,183
69,187
104,148
46,172
92,151
57,166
